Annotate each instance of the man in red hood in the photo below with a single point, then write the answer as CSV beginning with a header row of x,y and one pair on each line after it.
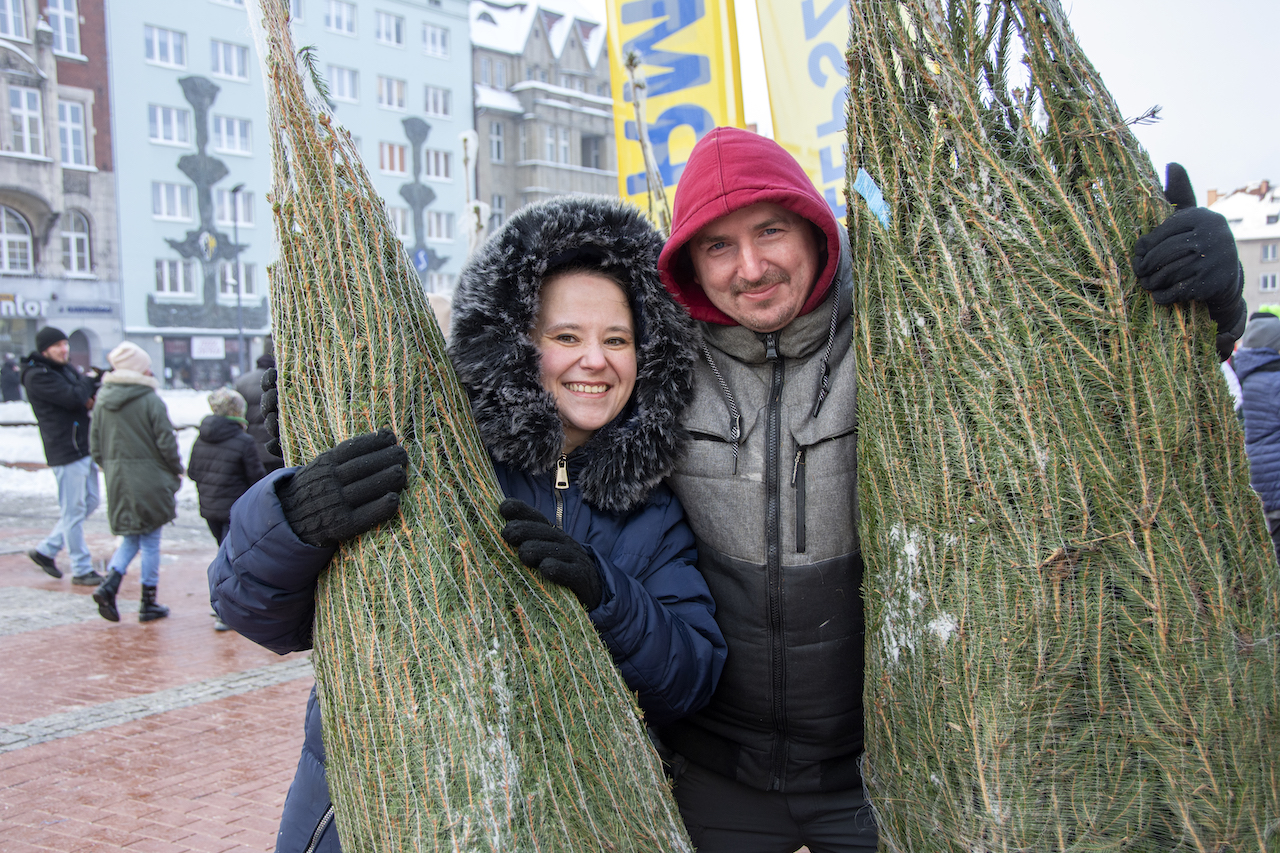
x,y
769,485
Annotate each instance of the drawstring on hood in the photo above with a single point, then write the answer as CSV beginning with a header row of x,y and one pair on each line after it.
x,y
494,309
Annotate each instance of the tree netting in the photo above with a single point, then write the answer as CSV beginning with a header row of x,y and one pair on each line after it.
x,y
1072,602
466,704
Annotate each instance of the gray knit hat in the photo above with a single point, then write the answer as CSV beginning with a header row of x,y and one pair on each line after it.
x,y
1263,331
227,402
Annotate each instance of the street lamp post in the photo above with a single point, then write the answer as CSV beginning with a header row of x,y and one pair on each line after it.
x,y
235,245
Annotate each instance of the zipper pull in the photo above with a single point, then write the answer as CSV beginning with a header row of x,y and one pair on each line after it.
x,y
771,346
562,472
795,466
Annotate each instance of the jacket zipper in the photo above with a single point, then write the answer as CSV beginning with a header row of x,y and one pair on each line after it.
x,y
562,485
773,557
797,483
325,819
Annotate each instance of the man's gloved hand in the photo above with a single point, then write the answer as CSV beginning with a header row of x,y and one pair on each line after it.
x,y
271,412
346,490
551,551
1192,255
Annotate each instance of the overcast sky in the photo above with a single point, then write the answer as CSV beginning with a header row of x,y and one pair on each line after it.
x,y
1211,65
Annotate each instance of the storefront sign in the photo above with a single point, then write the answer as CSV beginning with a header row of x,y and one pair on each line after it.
x,y
17,306
210,347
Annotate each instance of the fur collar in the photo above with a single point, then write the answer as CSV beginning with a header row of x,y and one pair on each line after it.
x,y
494,308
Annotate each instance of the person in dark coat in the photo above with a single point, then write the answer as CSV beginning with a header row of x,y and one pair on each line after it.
x,y
559,318
10,380
249,387
133,440
224,460
61,398
1257,364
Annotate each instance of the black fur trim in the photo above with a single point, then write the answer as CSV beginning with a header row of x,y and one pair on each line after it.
x,y
494,308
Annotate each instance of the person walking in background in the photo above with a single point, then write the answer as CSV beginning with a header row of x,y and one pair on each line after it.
x,y
61,398
224,460
132,439
1257,364
249,387
10,380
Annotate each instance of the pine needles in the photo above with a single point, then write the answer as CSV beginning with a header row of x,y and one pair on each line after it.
x,y
466,706
1073,608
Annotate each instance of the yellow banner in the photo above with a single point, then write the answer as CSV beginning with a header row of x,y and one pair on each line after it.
x,y
688,54
804,44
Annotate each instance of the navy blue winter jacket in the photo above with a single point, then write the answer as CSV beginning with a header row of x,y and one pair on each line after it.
x,y
1259,372
263,583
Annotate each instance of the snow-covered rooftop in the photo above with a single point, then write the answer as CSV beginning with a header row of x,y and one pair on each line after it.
x,y
505,26
1253,212
489,98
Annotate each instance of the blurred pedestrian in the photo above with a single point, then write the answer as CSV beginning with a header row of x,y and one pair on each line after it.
x,y
224,460
61,398
1257,363
10,380
132,439
249,386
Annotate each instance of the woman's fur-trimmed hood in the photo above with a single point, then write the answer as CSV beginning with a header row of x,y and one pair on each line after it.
x,y
494,309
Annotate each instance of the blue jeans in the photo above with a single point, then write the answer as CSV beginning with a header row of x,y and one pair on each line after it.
x,y
130,545
77,499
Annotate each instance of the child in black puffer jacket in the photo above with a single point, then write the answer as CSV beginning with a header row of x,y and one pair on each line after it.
x,y
224,461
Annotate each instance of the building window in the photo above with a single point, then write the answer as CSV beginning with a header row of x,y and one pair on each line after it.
x,y
170,201
524,142
71,134
390,93
439,102
496,146
570,81
391,158
499,74
75,244
165,47
1267,282
13,20
230,273
230,60
15,242
439,282
435,41
439,225
295,10
564,145
602,89
26,120
486,70
436,164
340,17
1269,251
175,277
399,217
551,145
65,21
389,29
232,135
497,211
225,213
344,83
593,152
168,125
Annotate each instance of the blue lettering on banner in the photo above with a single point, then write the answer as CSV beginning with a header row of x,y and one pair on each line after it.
x,y
834,55
684,115
812,25
687,69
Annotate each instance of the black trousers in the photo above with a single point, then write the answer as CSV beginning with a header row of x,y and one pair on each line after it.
x,y
724,816
219,529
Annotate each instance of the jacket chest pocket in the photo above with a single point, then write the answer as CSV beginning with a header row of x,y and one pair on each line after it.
x,y
823,473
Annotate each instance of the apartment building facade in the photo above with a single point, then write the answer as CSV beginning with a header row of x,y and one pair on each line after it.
x,y
1253,212
58,245
543,107
195,158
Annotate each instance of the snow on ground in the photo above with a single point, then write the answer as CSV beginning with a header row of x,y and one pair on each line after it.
x,y
21,443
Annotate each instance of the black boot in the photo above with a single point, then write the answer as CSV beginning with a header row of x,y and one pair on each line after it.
x,y
105,595
149,610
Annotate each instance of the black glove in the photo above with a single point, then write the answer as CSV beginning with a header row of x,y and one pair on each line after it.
x,y
1192,255
346,490
270,407
551,551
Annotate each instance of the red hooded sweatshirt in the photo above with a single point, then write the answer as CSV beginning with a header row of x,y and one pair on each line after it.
x,y
730,169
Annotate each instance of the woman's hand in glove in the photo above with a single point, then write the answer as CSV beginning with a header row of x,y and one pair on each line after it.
x,y
347,490
551,551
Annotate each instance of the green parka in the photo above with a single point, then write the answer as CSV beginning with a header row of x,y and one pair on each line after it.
x,y
132,440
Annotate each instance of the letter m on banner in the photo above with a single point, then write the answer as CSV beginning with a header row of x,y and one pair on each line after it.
x,y
688,58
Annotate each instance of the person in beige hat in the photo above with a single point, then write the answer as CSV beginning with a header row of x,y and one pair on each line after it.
x,y
132,439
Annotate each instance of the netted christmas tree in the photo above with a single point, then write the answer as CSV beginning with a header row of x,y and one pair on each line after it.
x,y
467,705
1073,607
